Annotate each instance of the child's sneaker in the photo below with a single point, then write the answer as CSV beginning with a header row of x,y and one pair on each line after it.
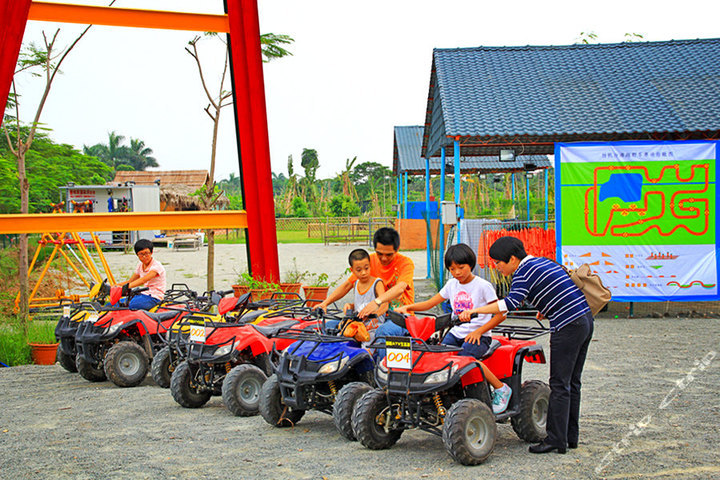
x,y
501,399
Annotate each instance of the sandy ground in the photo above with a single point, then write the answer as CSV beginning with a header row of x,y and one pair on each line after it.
x,y
190,266
650,410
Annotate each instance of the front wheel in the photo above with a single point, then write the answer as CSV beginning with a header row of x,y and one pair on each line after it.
x,y
162,367
271,407
126,364
66,361
241,390
88,371
530,423
369,421
184,389
469,432
345,405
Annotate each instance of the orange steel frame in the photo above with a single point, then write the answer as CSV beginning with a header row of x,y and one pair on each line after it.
x,y
241,22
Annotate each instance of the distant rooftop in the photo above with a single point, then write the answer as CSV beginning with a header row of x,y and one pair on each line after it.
x,y
407,158
529,97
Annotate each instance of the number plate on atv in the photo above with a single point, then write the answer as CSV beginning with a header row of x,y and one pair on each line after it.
x,y
399,352
197,333
66,311
92,318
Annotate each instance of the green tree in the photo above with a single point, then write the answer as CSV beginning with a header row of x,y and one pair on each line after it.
x,y
299,208
310,163
142,155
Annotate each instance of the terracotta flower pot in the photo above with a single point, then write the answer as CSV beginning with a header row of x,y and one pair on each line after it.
x,y
290,287
43,353
315,295
260,294
240,289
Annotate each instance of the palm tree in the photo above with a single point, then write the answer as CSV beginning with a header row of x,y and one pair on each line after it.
x,y
142,155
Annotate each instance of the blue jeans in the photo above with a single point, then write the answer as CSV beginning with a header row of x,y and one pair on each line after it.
x,y
142,302
388,329
468,349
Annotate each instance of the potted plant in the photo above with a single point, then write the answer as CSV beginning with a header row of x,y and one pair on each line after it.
x,y
260,289
293,279
42,342
317,288
243,285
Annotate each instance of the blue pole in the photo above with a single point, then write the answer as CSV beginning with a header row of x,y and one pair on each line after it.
x,y
428,244
397,195
546,199
405,190
441,229
527,194
512,179
456,152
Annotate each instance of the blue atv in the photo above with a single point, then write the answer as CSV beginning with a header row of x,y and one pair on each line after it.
x,y
321,370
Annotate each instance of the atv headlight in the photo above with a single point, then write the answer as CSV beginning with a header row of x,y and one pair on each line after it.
x,y
382,374
224,350
441,376
333,367
114,328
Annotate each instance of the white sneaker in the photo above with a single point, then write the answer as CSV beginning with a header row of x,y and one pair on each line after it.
x,y
501,399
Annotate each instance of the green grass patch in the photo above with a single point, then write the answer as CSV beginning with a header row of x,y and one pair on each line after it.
x,y
14,348
283,236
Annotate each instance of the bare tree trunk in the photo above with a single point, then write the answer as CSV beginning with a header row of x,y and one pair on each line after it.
x,y
24,309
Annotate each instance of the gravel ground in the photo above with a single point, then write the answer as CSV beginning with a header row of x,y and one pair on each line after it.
x,y
650,410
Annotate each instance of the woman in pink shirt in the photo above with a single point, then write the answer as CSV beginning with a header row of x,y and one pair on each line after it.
x,y
149,272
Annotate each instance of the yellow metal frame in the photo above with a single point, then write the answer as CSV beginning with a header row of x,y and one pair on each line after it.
x,y
104,222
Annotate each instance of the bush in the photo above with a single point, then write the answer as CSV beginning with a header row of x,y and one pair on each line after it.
x,y
14,350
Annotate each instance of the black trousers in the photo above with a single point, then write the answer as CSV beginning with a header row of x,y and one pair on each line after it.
x,y
568,349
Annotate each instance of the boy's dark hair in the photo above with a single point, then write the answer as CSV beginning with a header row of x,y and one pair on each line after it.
x,y
387,236
461,254
142,244
357,255
506,247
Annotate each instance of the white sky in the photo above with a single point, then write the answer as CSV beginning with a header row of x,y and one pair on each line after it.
x,y
358,69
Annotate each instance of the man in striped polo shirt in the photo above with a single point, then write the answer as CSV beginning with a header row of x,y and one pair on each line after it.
x,y
545,285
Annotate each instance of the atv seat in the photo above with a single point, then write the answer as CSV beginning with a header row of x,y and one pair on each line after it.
x,y
273,329
493,346
160,316
251,316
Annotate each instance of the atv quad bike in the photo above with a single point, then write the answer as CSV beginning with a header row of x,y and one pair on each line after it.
x,y
230,310
432,388
232,360
73,314
327,372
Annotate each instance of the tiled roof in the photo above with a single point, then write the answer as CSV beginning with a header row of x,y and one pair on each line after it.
x,y
190,179
407,158
536,95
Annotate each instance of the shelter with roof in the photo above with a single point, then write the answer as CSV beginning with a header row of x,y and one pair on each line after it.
x,y
176,187
505,102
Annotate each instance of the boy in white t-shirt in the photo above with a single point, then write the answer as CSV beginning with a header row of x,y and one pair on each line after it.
x,y
465,292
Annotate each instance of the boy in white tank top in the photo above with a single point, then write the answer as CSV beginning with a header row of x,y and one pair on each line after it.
x,y
366,289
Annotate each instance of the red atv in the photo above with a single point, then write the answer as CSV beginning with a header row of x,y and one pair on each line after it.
x,y
233,360
430,387
119,344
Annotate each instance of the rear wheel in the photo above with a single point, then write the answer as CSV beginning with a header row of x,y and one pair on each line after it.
x,y
241,389
66,361
162,367
126,364
345,405
88,371
530,423
368,421
469,432
184,390
272,409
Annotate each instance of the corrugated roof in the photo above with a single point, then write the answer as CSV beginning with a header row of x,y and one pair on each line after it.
x,y
407,157
537,95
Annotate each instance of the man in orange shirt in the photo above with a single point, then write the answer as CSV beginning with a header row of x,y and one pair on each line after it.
x,y
394,269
